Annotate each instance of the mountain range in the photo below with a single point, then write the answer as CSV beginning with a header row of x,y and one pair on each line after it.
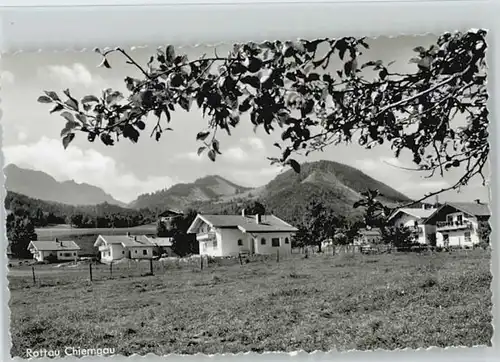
x,y
39,185
336,184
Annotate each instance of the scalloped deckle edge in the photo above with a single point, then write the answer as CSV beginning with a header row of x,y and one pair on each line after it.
x,y
292,354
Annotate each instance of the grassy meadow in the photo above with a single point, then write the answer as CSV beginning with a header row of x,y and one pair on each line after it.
x,y
347,301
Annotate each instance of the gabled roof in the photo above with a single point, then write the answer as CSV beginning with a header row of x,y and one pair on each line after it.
x,y
247,224
170,212
52,245
129,241
161,241
470,208
417,213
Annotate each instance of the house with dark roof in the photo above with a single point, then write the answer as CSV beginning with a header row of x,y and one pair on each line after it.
x,y
415,220
56,250
460,223
116,247
229,235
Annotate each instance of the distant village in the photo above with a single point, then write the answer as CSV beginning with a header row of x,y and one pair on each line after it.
x,y
447,225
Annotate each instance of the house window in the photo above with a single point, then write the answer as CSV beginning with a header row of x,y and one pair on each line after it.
x,y
275,242
287,241
263,241
136,251
123,251
467,237
460,219
214,243
74,254
144,252
240,242
449,219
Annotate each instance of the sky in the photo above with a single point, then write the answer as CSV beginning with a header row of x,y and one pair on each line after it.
x,y
31,135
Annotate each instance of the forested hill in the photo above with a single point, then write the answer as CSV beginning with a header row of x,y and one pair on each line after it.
x,y
45,213
338,186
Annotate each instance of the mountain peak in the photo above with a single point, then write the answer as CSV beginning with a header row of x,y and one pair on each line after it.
x,y
39,185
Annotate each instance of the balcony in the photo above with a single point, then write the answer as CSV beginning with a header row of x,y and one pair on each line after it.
x,y
446,225
206,236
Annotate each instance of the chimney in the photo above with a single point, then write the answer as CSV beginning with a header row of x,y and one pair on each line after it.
x,y
478,201
437,200
135,238
57,241
243,212
257,219
128,233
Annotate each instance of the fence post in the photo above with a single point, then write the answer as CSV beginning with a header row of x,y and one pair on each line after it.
x,y
111,269
239,257
90,271
201,262
33,272
151,266
277,255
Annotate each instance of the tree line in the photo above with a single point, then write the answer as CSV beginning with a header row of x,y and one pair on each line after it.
x,y
43,213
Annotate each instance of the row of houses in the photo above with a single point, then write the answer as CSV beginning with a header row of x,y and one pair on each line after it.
x,y
217,235
110,247
449,224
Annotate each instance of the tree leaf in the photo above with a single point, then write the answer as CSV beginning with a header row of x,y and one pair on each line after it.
x,y
185,103
104,63
140,124
215,146
106,139
254,65
200,150
44,99
81,117
89,99
131,133
201,136
170,53
68,116
211,155
71,103
53,95
251,80
67,139
57,108
295,165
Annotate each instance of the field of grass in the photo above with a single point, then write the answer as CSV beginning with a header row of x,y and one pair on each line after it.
x,y
347,301
85,238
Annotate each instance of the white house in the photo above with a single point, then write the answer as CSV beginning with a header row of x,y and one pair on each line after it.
x,y
459,223
54,249
229,235
414,219
116,247
368,237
